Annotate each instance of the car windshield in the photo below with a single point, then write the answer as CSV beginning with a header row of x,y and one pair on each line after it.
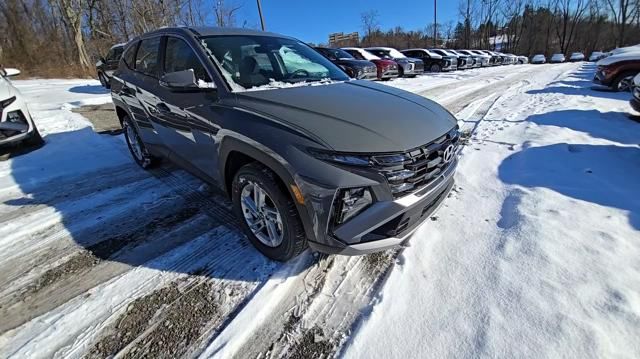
x,y
263,62
396,54
383,54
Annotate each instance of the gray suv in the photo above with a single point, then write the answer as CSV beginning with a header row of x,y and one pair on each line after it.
x,y
308,156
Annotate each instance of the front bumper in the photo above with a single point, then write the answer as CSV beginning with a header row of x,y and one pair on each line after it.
x,y
11,133
601,78
401,216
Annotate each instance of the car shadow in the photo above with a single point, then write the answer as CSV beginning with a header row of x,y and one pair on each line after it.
x,y
612,126
605,175
581,85
164,219
90,89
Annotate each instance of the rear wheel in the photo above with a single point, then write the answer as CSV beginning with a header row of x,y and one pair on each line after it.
x,y
435,68
137,148
624,82
267,213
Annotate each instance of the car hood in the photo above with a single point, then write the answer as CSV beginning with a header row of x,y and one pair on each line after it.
x,y
626,56
354,116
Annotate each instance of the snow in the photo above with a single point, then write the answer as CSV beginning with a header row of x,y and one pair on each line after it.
x,y
366,54
545,261
535,253
622,56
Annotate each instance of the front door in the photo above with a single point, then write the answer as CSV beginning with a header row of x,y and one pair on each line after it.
x,y
185,120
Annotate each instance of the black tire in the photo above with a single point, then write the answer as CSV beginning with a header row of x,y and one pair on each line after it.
x,y
294,240
627,76
35,141
145,160
103,80
435,68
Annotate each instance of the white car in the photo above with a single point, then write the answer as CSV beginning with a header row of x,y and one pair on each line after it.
x,y
576,56
523,60
538,59
557,58
597,55
16,125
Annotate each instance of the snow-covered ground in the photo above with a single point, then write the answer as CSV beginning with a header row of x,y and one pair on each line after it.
x,y
535,253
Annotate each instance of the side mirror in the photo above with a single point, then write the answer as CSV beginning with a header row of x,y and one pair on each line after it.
x,y
8,72
184,80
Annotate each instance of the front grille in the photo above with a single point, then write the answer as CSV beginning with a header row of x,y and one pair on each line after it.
x,y
412,170
370,69
636,92
419,67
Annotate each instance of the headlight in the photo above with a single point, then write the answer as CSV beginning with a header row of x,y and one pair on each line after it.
x,y
350,202
344,159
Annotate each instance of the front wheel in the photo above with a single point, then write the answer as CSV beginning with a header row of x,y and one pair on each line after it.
x,y
624,82
137,148
435,68
267,213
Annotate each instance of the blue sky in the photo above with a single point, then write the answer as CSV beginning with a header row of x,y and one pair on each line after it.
x,y
313,20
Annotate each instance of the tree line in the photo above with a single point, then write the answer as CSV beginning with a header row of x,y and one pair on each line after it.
x,y
523,27
66,37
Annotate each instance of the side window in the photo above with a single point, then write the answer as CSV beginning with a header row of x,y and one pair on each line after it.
x,y
356,54
180,56
129,55
117,53
147,56
110,55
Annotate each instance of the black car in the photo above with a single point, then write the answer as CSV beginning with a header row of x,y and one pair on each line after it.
x,y
307,157
108,64
432,62
357,69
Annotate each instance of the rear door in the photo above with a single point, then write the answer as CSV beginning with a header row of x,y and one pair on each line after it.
x,y
112,60
185,120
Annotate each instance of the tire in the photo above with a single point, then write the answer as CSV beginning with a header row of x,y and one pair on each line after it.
x,y
435,68
35,141
143,158
623,82
103,80
293,239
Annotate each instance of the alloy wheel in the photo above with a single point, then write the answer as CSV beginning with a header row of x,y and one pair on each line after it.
x,y
134,142
625,83
261,215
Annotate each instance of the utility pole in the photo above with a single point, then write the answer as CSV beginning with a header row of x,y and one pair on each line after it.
x,y
260,12
435,23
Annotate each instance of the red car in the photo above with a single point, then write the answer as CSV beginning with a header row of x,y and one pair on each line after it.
x,y
387,69
617,71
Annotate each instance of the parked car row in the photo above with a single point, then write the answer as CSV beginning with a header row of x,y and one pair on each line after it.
x,y
390,62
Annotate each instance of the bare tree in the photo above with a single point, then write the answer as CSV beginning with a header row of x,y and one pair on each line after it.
x,y
71,11
370,24
623,11
567,15
225,13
